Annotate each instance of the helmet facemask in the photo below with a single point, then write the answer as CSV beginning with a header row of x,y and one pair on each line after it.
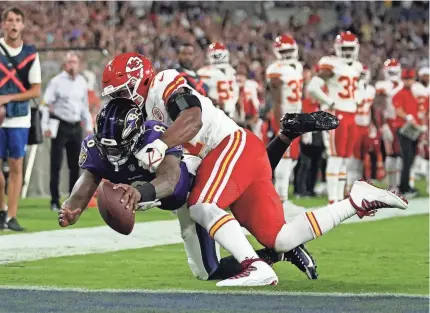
x,y
127,90
347,52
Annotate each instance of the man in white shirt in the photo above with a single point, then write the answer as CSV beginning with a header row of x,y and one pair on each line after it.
x,y
66,105
16,91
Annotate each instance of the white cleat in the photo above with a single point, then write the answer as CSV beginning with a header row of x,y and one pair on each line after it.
x,y
255,272
366,199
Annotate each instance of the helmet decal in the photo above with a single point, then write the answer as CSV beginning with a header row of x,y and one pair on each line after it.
x,y
130,122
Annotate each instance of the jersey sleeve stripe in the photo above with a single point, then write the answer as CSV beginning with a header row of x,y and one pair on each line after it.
x,y
204,76
326,67
274,75
179,80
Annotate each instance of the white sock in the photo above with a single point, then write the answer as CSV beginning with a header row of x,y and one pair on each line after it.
x,y
391,169
310,225
332,177
342,179
399,166
224,229
354,172
282,177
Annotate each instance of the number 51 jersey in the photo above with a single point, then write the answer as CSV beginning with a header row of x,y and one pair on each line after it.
x,y
130,172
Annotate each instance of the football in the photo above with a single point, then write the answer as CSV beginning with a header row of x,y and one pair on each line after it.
x,y
112,210
2,114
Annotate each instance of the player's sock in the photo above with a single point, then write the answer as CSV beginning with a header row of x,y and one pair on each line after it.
x,y
399,165
282,177
354,172
224,229
414,172
332,177
391,169
342,179
310,225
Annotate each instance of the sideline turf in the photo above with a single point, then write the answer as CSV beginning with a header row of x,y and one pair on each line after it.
x,y
388,256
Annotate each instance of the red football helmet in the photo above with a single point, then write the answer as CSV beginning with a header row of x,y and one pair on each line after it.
x,y
285,48
365,74
218,53
346,46
392,70
128,75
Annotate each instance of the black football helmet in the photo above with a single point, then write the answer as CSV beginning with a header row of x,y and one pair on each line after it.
x,y
117,130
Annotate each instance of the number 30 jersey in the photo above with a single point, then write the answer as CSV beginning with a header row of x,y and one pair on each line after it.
x,y
291,74
216,125
343,85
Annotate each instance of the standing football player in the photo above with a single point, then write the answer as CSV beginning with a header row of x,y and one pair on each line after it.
x,y
341,74
385,90
285,79
220,77
364,122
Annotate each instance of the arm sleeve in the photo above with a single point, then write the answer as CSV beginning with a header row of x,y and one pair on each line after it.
x,y
315,90
275,150
85,113
49,96
35,75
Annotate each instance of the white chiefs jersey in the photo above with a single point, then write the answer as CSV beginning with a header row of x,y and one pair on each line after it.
x,y
389,89
291,74
343,85
222,83
362,117
216,125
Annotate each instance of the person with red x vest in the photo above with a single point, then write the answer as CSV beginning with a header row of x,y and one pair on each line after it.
x,y
20,80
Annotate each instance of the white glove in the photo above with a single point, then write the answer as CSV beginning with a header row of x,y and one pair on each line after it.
x,y
145,206
387,135
307,138
151,155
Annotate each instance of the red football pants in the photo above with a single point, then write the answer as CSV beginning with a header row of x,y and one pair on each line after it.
x,y
237,174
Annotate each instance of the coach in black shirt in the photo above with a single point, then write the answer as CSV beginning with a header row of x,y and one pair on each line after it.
x,y
186,56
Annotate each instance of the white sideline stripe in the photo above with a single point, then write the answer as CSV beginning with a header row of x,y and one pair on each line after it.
x,y
229,292
81,241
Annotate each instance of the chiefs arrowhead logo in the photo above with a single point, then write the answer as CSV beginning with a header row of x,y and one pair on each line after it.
x,y
133,64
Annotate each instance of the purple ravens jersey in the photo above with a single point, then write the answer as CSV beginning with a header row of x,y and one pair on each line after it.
x,y
130,172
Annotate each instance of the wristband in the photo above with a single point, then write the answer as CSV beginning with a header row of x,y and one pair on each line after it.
x,y
147,192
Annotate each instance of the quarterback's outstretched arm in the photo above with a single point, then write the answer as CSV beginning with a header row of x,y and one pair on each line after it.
x,y
82,192
185,110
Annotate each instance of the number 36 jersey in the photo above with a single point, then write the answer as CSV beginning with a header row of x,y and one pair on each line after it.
x,y
343,85
130,172
216,125
291,74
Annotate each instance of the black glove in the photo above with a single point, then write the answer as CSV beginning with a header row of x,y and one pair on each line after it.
x,y
295,124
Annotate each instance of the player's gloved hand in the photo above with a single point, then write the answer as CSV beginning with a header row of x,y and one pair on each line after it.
x,y
151,155
296,124
131,196
67,216
387,135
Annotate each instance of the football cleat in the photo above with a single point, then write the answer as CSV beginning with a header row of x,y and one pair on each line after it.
x,y
296,124
367,198
302,259
256,272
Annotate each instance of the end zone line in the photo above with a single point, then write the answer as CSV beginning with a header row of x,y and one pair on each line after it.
x,y
220,292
